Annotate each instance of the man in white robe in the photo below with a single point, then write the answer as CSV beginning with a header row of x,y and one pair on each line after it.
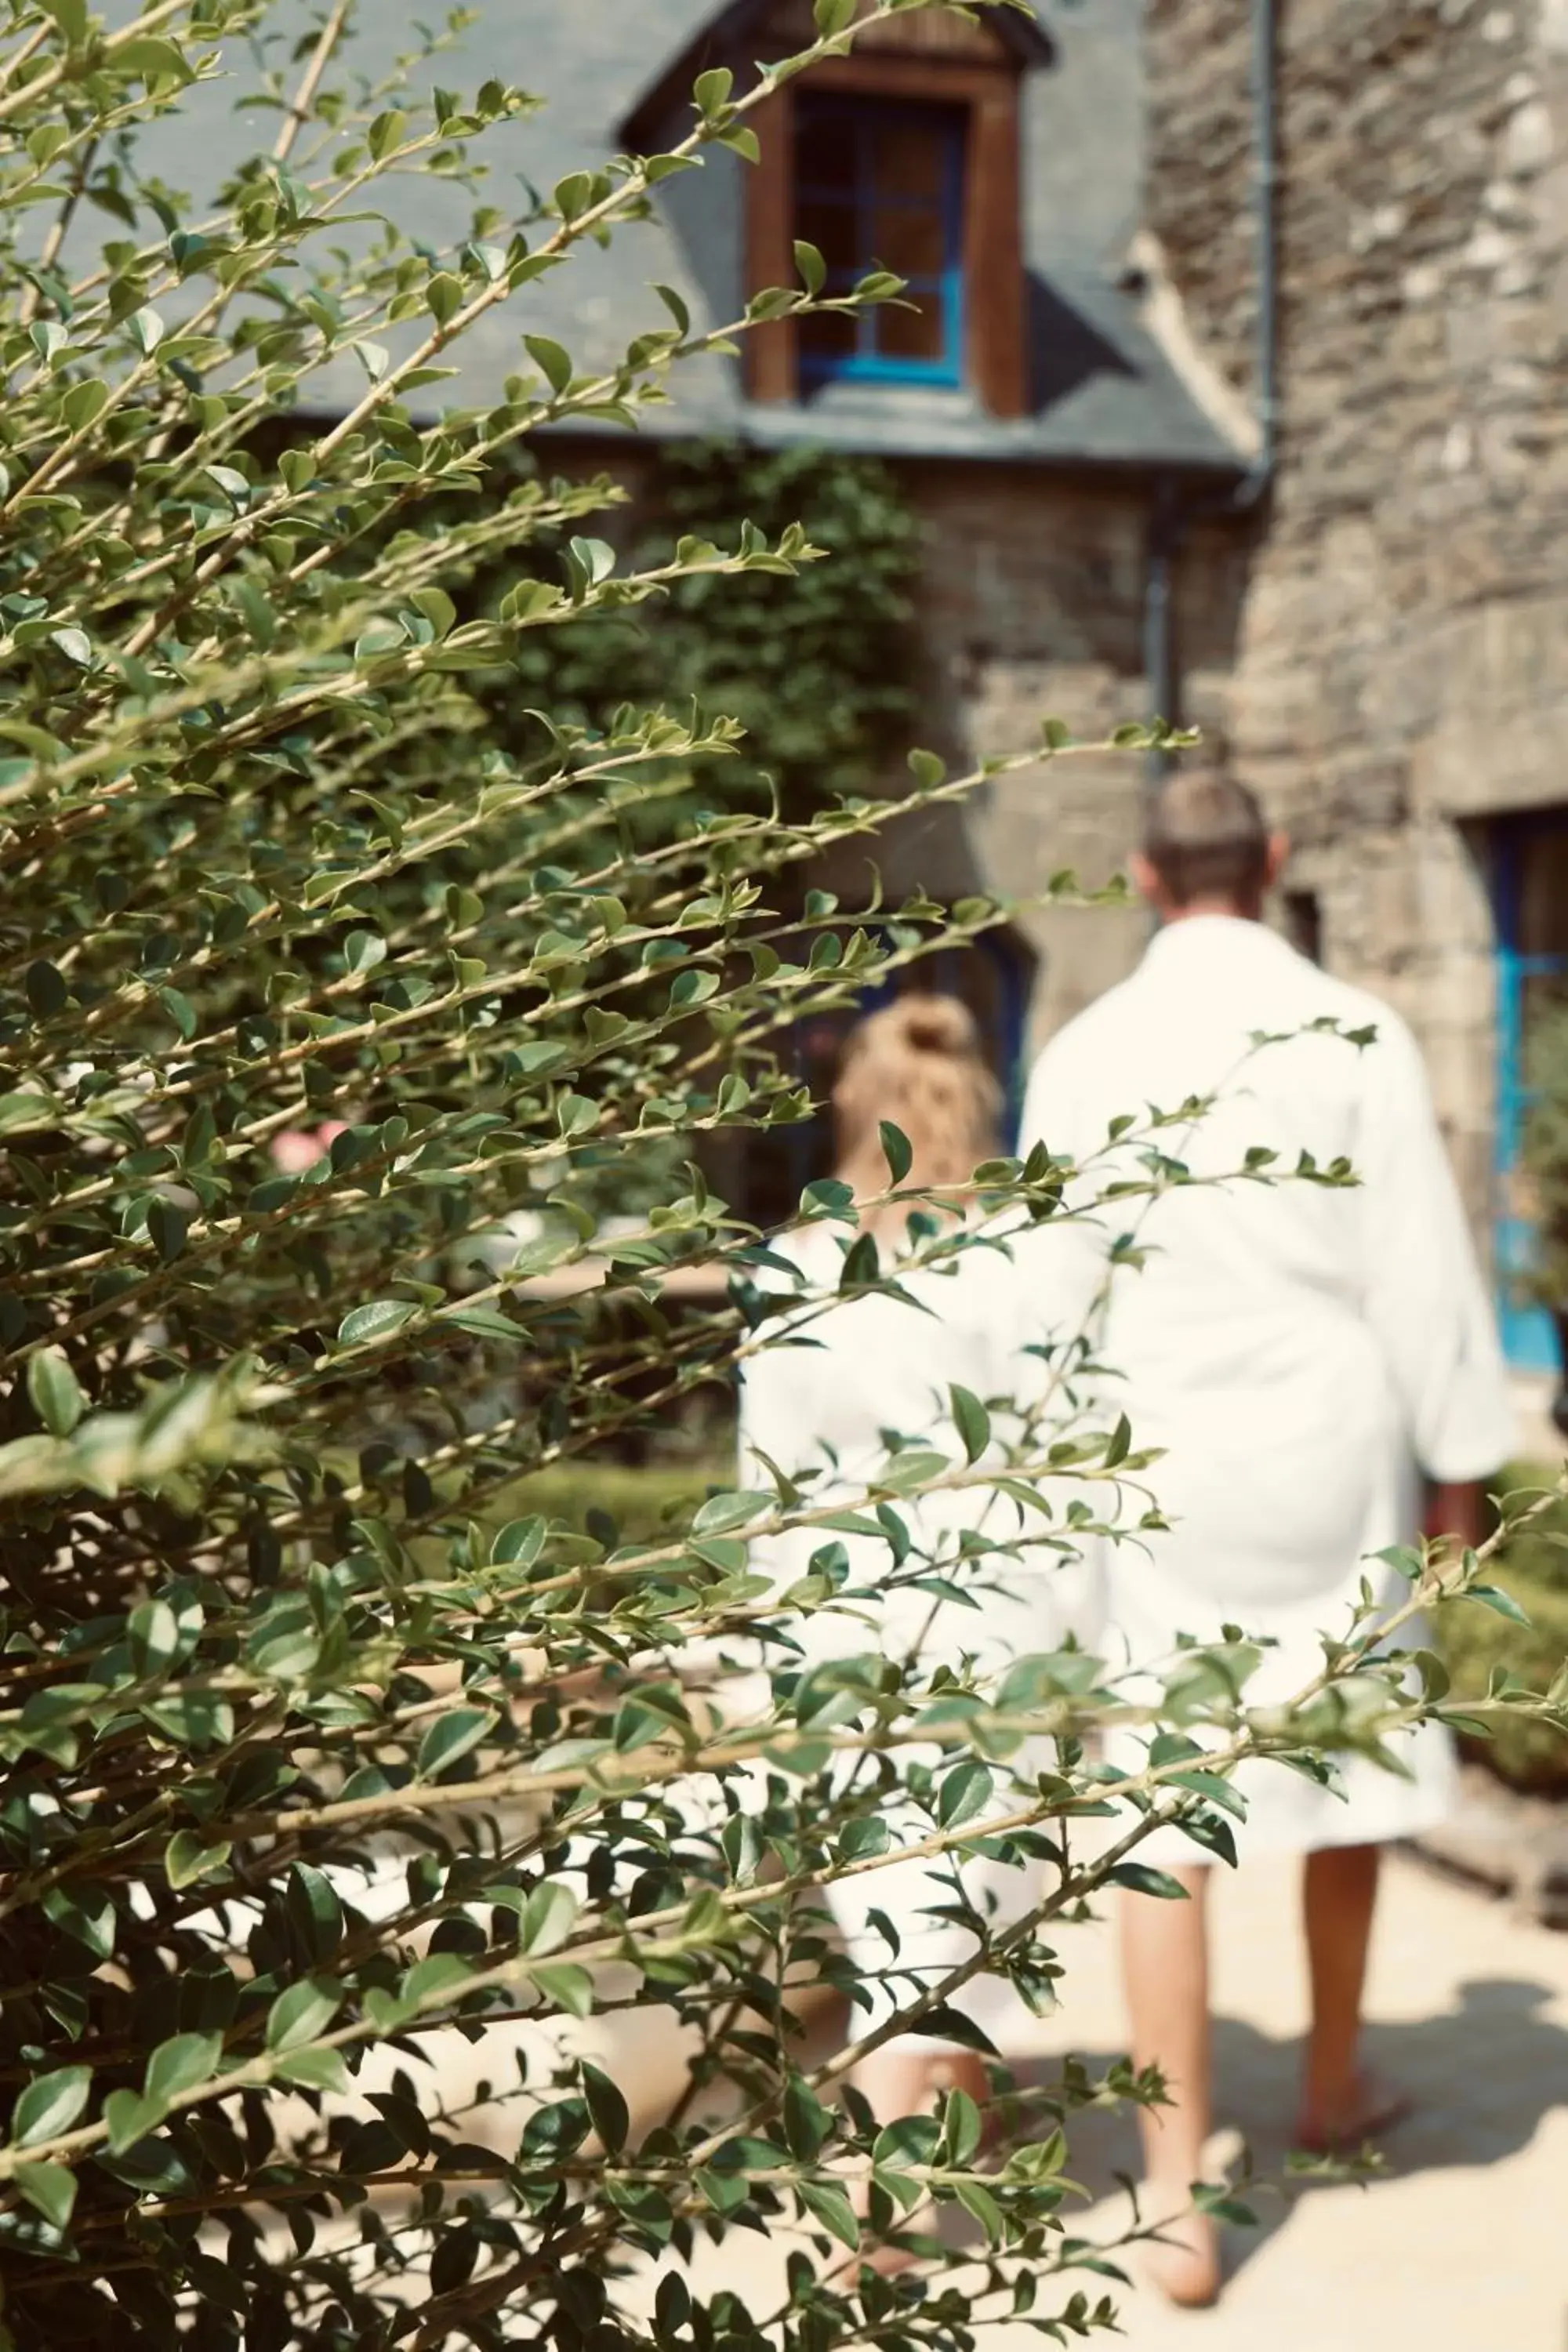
x,y
1306,1356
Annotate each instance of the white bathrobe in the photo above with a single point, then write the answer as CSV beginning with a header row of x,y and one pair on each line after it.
x,y
1302,1353
879,1364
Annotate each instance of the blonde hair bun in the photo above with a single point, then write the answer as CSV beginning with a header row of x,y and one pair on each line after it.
x,y
919,1065
931,1024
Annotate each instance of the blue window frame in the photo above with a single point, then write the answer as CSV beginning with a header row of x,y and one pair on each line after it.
x,y
1530,897
879,185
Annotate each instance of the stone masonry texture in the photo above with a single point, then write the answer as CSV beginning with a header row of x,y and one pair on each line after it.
x,y
1401,674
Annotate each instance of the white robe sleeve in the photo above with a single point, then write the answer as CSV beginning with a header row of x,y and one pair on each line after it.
x,y
1423,1290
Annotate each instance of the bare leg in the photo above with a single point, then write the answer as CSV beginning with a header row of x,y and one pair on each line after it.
x,y
1165,1960
1340,2104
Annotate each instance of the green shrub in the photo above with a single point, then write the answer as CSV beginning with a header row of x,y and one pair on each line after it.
x,y
1545,1156
1477,1644
308,1753
820,669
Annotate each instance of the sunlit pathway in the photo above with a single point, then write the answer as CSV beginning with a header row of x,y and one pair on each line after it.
x,y
1462,2244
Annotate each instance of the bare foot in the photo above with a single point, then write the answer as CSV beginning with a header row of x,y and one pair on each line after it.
x,y
1367,2107
1184,2262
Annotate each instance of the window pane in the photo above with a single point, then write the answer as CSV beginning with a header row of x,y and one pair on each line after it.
x,y
917,334
908,239
910,154
880,182
831,228
825,149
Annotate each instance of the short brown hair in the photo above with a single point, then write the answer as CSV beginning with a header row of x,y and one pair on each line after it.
x,y
1207,838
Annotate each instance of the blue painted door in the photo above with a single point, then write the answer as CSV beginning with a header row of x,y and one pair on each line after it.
x,y
1529,876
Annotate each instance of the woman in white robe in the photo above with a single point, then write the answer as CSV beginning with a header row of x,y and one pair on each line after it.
x,y
1305,1354
825,1401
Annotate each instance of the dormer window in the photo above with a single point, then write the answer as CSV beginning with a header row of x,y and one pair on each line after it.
x,y
905,155
906,152
879,185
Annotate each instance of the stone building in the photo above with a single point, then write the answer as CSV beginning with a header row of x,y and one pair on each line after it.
x,y
1235,391
1398,690
1041,411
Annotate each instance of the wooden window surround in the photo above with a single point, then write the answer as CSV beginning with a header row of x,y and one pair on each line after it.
x,y
986,90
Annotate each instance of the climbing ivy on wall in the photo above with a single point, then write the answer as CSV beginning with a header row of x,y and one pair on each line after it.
x,y
820,669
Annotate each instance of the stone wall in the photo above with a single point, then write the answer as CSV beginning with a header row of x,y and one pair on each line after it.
x,y
1031,604
1032,607
1402,658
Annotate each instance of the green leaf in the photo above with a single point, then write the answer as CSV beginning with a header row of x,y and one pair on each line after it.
x,y
46,990
806,2121
178,2065
435,1982
978,2201
181,1011
315,1912
86,1915
612,2117
444,297
188,1858
834,16
1142,1880
897,1151
451,1737
129,2118
85,402
965,1792
385,132
710,92
302,2014
575,1114
1493,1597
962,2129
971,1420
153,58
861,1264
167,1227
49,2190
552,360
1120,1444
56,1397
20,1113
518,1543
50,2106
569,1986
548,1919
316,2070
377,1320
484,1323
71,17
574,195
832,2208
1214,1836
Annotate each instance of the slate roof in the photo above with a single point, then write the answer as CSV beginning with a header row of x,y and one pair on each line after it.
x,y
1103,392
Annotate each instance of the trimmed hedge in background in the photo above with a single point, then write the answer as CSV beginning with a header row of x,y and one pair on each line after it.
x,y
1475,1643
